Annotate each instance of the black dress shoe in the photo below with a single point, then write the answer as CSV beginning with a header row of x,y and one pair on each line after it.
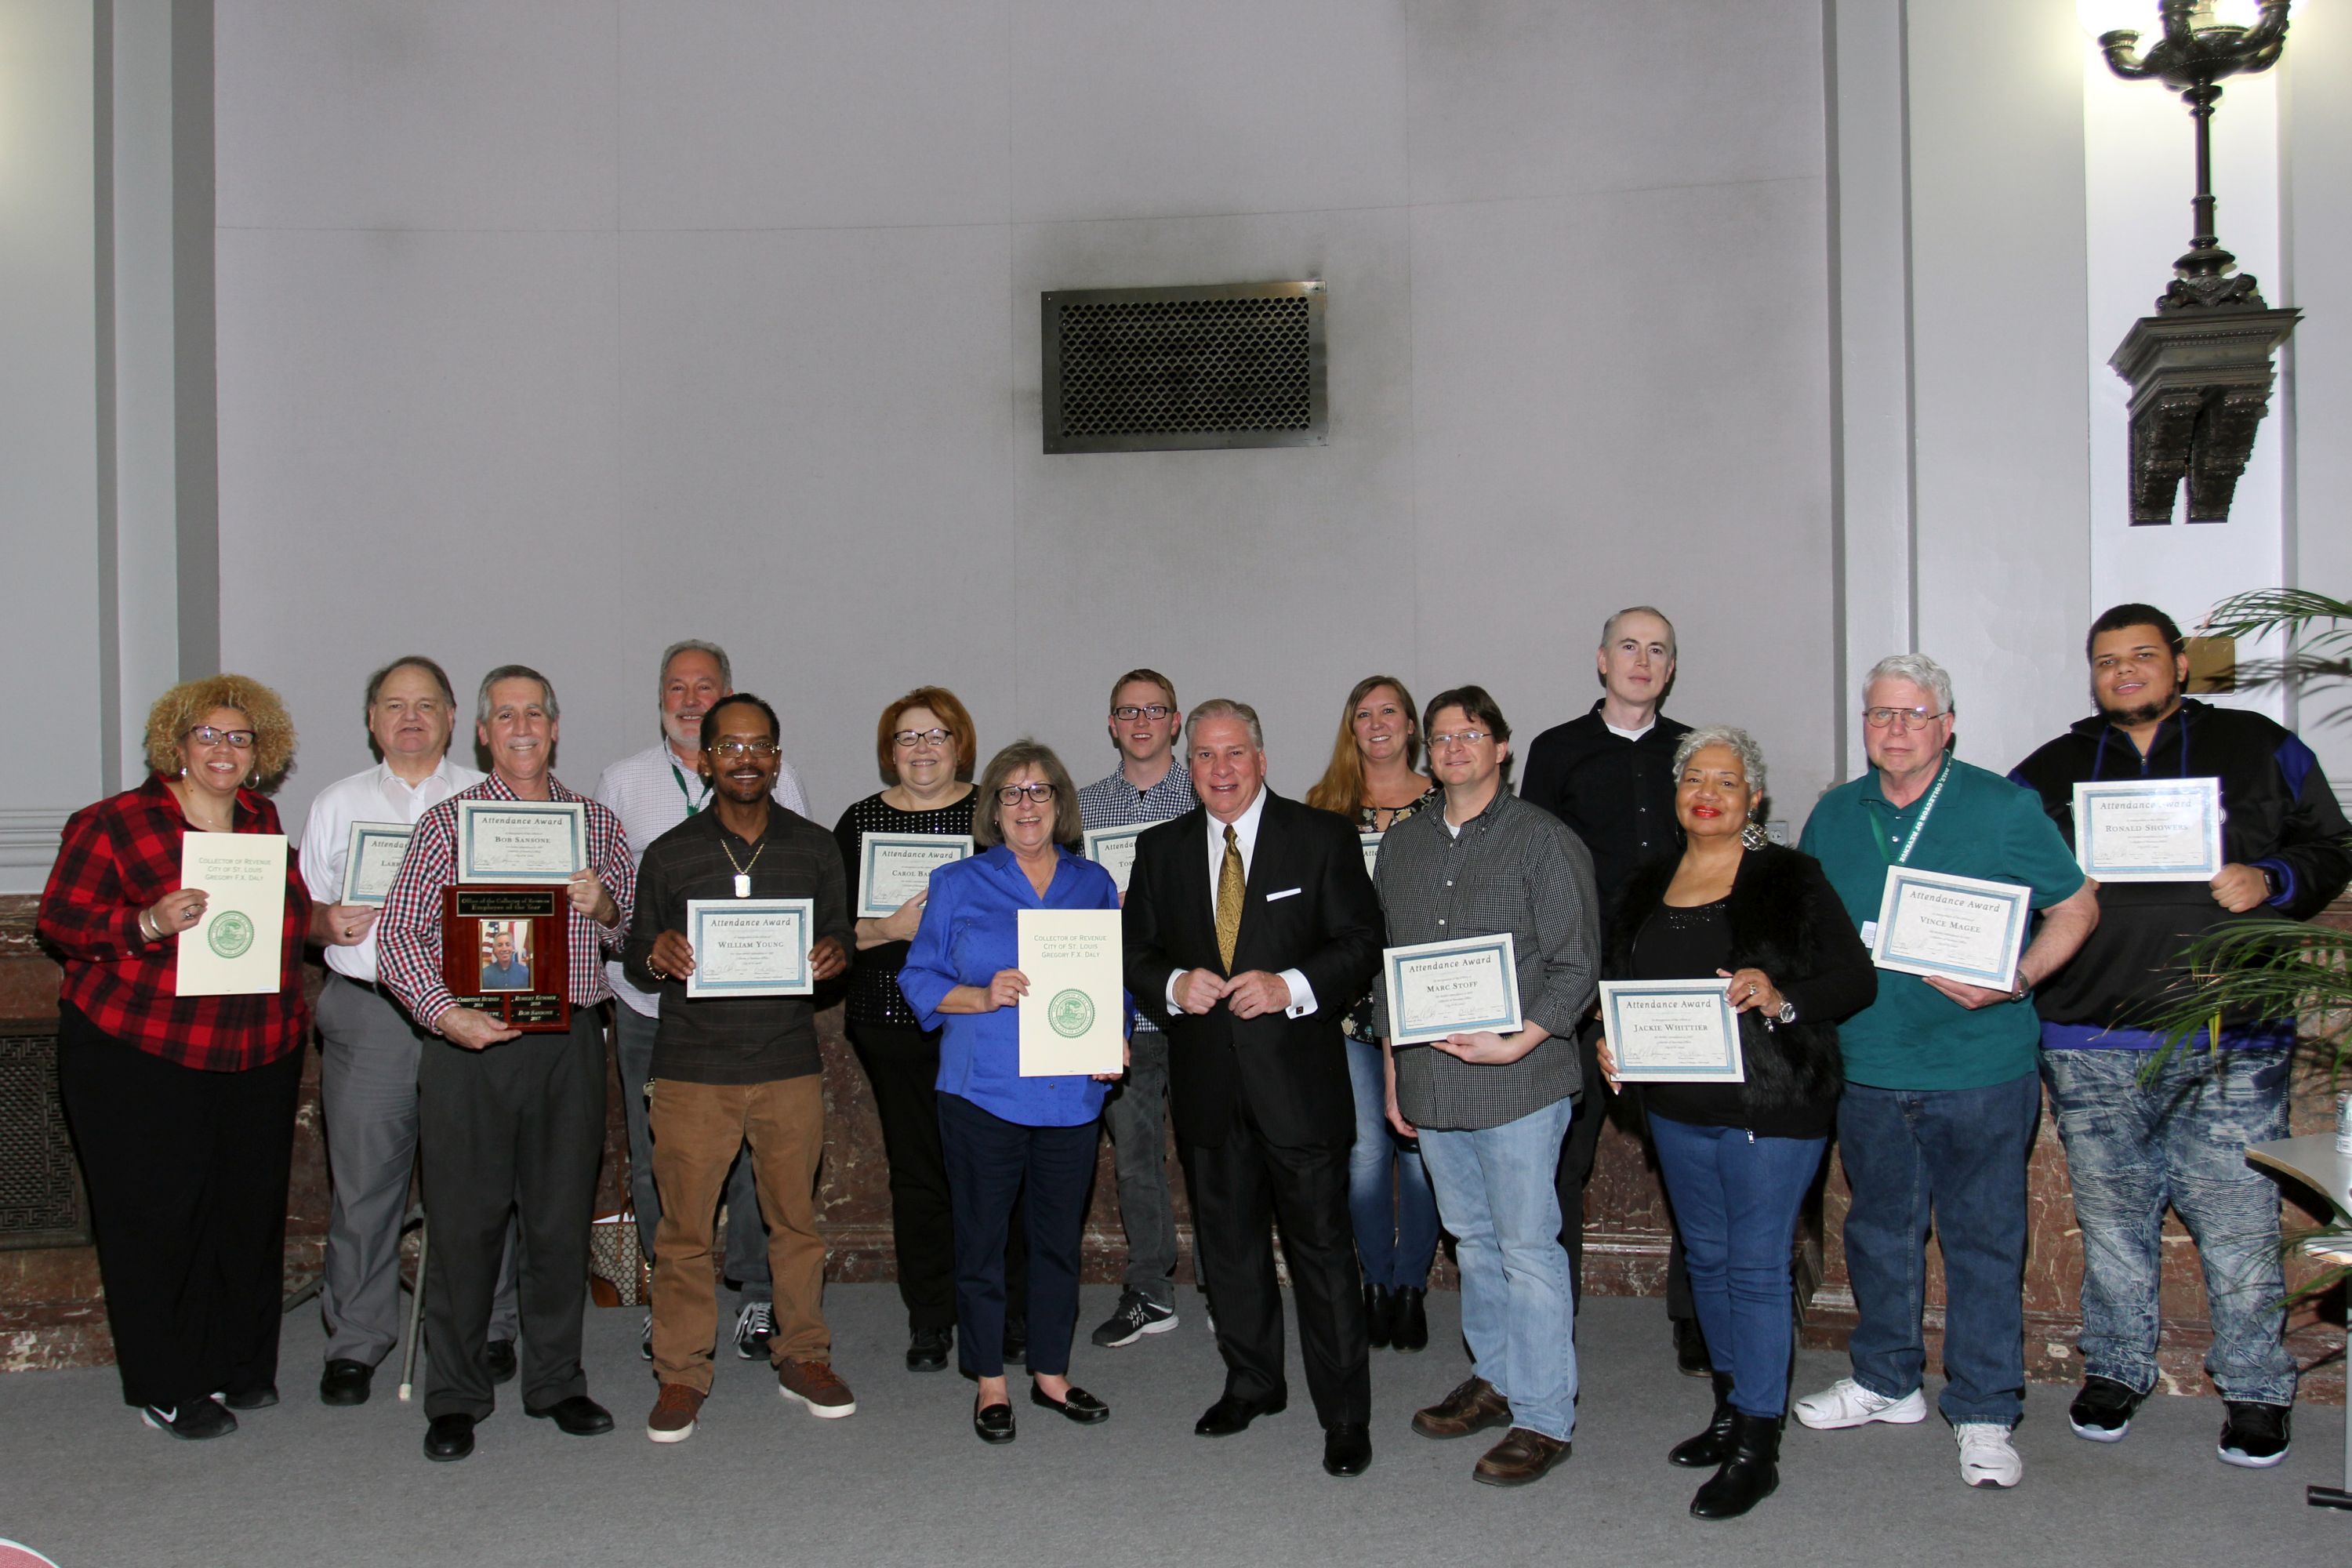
x,y
449,1438
578,1415
1380,1315
1016,1339
261,1398
1408,1320
994,1423
1346,1448
1233,1413
1079,1406
498,1360
345,1383
927,1350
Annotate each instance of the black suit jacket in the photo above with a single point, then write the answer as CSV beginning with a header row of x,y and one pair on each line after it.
x,y
1309,907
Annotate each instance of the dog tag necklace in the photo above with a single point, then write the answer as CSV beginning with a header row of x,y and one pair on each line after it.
x,y
743,872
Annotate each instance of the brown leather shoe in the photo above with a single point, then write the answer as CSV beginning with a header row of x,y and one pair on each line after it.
x,y
1472,1407
672,1420
1522,1456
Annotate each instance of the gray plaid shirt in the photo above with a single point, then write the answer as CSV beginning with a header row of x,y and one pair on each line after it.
x,y
1514,868
1114,802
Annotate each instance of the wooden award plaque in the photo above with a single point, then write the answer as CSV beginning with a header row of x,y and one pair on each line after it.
x,y
504,952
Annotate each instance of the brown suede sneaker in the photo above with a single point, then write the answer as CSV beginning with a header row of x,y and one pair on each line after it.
x,y
674,1413
1522,1456
816,1385
1472,1407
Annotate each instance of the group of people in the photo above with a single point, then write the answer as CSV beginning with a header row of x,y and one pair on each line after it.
x,y
1253,927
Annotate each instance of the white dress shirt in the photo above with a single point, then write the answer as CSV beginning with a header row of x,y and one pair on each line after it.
x,y
1302,994
652,792
377,795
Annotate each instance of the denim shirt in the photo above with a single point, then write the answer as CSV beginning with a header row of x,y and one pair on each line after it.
x,y
970,931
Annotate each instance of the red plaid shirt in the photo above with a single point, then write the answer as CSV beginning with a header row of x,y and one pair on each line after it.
x,y
119,856
408,931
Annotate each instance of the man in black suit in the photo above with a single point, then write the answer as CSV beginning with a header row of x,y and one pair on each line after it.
x,y
1250,926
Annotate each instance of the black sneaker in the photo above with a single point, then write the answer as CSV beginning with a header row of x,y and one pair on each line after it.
x,y
2255,1435
204,1419
755,1325
646,1339
927,1349
2102,1411
1138,1315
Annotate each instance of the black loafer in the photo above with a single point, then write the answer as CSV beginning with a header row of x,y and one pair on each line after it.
x,y
994,1423
1079,1406
345,1383
1346,1448
580,1416
449,1438
498,1360
927,1350
261,1398
1233,1413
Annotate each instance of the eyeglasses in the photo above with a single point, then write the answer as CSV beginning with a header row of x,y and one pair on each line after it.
x,y
1010,794
907,739
1459,737
1899,718
1155,712
730,750
234,740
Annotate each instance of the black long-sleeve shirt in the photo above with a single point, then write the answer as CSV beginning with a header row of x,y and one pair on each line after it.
x,y
1616,794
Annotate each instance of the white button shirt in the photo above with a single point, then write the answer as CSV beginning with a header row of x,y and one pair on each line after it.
x,y
377,795
1302,994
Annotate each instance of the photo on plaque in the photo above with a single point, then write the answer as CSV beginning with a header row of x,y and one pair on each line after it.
x,y
2149,830
895,867
372,857
520,840
505,947
506,952
1672,1031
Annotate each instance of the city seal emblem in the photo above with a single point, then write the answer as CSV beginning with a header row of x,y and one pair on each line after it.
x,y
230,934
1071,1013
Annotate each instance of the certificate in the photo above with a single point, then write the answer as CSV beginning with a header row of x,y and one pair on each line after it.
x,y
750,947
2149,830
894,867
371,859
1672,1031
234,950
522,841
1073,1019
1441,988
1371,843
1113,849
1957,927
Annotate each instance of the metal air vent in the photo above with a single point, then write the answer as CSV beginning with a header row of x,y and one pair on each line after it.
x,y
1148,370
40,1194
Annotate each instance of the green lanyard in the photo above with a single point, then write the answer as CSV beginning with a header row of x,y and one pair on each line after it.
x,y
1925,812
692,805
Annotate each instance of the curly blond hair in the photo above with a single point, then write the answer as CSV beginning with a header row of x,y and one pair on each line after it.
x,y
184,706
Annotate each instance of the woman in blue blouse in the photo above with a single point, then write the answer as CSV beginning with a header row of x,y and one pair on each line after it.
x,y
997,1128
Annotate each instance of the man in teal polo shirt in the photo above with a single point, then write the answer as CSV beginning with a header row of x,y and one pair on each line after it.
x,y
1943,1087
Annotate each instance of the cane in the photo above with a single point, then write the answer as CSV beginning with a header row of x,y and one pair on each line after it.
x,y
415,1308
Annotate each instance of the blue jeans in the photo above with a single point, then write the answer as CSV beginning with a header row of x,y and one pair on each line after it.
x,y
2132,1147
1395,1216
1735,1198
1955,1158
1494,1191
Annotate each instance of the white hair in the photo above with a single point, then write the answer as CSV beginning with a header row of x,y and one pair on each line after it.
x,y
1742,744
1916,667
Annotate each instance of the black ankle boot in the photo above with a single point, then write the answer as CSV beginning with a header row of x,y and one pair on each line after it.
x,y
1749,1476
1712,1446
1409,1331
1380,1308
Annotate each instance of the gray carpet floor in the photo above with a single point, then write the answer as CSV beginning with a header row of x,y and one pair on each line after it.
x,y
904,1481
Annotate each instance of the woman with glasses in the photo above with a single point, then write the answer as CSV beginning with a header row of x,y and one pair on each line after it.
x,y
183,1107
925,748
1374,778
1007,1136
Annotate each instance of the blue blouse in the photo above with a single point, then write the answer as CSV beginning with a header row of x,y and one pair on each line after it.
x,y
970,931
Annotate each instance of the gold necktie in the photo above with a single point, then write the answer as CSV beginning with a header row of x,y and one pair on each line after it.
x,y
1229,901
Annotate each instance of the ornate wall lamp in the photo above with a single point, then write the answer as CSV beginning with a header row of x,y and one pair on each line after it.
x,y
2200,369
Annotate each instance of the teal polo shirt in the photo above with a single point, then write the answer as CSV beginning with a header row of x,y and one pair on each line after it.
x,y
1913,1036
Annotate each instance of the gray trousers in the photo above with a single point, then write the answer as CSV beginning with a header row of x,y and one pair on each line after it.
x,y
367,1091
509,1134
747,1228
1137,1115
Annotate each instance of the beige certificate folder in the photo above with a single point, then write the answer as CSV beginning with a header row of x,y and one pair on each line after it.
x,y
237,949
1073,1019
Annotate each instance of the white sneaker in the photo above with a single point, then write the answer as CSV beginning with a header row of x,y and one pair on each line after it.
x,y
1987,1460
1846,1402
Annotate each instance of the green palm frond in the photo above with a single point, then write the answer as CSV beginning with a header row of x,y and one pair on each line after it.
x,y
2266,968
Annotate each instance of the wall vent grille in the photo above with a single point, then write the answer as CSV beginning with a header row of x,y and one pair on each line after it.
x,y
1140,370
40,1194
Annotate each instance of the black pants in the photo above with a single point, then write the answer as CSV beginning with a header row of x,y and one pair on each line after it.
x,y
515,1130
995,1166
186,1174
1242,1185
1577,1151
902,1066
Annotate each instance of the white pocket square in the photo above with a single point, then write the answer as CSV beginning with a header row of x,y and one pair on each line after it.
x,y
1286,893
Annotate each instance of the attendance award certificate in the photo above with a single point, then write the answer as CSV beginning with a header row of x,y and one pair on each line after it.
x,y
1672,1031
1073,1019
1457,987
522,841
1113,849
1371,843
236,949
372,857
2149,830
894,867
750,947
1957,927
